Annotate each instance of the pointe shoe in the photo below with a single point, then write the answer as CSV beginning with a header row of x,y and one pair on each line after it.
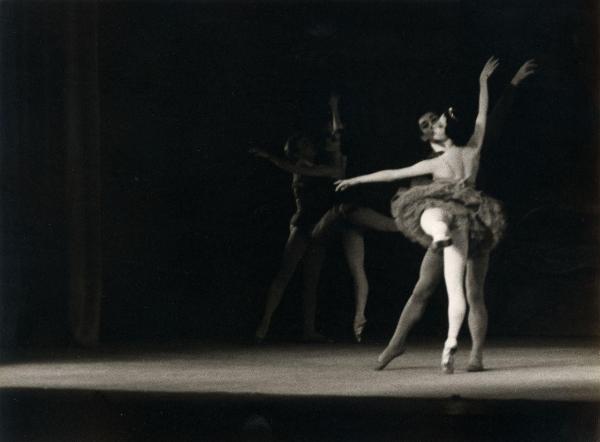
x,y
448,360
359,327
383,362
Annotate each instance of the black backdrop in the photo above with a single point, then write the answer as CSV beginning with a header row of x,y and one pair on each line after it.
x,y
193,227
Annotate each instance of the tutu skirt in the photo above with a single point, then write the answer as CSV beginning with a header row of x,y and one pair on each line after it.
x,y
483,215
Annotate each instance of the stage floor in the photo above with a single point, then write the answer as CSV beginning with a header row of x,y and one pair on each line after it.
x,y
536,391
544,370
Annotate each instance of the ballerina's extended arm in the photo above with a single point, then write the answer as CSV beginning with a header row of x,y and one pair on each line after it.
x,y
421,168
476,140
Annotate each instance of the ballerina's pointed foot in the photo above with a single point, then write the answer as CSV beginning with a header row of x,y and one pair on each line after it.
x,y
359,327
448,359
386,357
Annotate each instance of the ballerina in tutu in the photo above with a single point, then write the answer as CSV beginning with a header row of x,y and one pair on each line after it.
x,y
448,213
431,270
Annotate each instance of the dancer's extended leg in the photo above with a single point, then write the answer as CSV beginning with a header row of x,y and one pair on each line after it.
x,y
292,254
354,248
430,276
348,213
478,318
369,218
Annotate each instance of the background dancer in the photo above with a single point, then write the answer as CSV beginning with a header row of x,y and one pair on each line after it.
x,y
308,235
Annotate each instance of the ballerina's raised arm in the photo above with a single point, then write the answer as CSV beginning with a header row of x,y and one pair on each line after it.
x,y
476,140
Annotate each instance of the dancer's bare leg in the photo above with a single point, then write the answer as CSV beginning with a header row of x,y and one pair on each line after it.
x,y
354,248
455,260
359,216
478,318
430,275
292,254
313,263
365,217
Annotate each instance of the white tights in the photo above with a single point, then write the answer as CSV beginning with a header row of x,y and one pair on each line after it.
x,y
435,222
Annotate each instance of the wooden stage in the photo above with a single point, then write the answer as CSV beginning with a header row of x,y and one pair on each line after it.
x,y
236,392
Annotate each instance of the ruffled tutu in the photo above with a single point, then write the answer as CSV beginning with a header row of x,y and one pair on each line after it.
x,y
482,214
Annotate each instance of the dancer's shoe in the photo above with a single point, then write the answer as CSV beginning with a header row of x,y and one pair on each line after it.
x,y
258,339
448,359
359,327
261,334
475,364
386,357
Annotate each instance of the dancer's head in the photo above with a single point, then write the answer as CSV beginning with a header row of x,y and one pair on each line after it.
x,y
300,146
433,126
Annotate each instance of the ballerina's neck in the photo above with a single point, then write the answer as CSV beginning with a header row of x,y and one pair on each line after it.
x,y
441,146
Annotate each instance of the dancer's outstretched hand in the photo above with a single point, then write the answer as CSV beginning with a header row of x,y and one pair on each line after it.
x,y
488,69
259,153
524,71
341,185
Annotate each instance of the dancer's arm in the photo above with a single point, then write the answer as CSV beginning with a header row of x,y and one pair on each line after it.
x,y
421,168
476,139
334,141
500,110
499,113
524,71
336,121
334,171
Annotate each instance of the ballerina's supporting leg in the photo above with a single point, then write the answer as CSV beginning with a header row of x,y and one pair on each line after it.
x,y
455,258
430,275
476,272
292,254
354,248
313,263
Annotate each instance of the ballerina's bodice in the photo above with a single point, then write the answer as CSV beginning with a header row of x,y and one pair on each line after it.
x,y
458,165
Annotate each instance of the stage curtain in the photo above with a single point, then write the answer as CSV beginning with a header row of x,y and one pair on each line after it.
x,y
50,173
83,176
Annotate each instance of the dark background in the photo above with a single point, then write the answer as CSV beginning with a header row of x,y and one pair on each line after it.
x,y
193,227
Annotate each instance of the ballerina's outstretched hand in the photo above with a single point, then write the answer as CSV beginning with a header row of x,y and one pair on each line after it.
x,y
489,68
341,185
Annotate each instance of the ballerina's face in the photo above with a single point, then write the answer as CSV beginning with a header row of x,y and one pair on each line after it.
x,y
433,126
439,129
